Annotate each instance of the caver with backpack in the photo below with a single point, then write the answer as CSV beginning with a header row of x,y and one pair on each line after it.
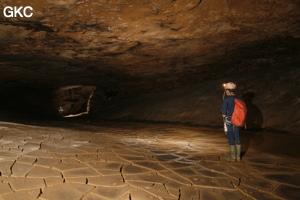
x,y
234,114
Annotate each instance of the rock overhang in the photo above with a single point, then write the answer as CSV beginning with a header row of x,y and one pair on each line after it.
x,y
147,44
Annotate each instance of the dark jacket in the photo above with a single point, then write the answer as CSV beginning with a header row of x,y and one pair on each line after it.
x,y
227,106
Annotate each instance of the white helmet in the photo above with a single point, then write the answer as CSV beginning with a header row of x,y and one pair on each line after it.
x,y
230,86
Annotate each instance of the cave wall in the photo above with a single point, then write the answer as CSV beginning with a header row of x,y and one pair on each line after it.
x,y
72,100
272,98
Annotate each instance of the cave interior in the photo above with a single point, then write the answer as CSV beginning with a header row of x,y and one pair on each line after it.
x,y
122,99
152,60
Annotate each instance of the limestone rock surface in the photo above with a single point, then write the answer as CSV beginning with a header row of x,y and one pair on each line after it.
x,y
145,45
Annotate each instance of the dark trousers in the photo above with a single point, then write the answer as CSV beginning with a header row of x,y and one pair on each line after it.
x,y
233,134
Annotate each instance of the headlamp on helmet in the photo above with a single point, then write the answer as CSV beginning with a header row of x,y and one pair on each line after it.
x,y
229,86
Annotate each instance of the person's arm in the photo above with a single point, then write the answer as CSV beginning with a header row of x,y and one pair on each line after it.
x,y
224,108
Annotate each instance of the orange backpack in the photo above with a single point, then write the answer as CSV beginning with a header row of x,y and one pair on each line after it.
x,y
239,113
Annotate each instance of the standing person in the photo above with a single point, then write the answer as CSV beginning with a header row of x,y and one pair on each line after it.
x,y
233,132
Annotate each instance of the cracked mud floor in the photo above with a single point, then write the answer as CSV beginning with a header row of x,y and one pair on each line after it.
x,y
135,161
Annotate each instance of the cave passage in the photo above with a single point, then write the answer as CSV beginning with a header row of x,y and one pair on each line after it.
x,y
121,100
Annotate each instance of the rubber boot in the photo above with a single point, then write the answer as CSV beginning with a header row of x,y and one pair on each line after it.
x,y
232,153
238,152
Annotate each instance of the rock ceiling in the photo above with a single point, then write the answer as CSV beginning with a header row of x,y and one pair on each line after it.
x,y
148,44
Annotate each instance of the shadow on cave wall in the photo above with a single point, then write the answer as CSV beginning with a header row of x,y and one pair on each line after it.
x,y
254,123
19,97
